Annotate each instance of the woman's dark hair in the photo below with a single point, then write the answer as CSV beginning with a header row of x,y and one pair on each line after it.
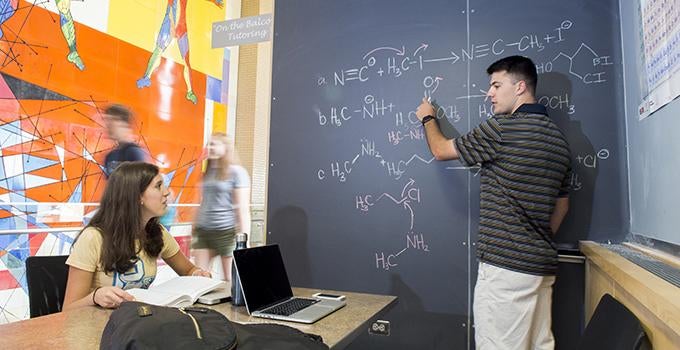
x,y
120,215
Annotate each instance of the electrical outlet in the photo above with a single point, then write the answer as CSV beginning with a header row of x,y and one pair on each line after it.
x,y
380,327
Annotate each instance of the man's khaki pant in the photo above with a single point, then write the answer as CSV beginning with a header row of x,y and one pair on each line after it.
x,y
512,310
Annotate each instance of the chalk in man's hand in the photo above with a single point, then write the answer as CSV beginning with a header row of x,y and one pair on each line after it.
x,y
429,98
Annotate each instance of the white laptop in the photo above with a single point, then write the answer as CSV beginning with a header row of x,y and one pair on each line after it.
x,y
267,291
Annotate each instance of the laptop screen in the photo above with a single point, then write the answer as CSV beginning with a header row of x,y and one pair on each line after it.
x,y
263,276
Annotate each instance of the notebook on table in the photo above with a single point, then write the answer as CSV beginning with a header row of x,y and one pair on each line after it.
x,y
267,291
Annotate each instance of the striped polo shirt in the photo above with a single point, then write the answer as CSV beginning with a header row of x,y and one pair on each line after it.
x,y
525,166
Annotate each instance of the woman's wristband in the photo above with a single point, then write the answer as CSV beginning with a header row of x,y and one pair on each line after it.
x,y
93,295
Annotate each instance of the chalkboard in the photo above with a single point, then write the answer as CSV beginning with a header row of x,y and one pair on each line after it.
x,y
355,198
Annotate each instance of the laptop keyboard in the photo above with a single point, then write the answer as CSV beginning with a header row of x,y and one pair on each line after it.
x,y
290,307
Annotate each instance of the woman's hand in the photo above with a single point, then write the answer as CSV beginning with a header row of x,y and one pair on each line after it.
x,y
111,297
201,272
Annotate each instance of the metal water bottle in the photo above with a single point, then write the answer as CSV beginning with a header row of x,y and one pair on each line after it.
x,y
236,291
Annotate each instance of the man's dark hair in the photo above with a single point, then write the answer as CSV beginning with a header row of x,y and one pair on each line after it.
x,y
520,67
119,112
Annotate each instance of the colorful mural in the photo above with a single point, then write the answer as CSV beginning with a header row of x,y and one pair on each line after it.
x,y
174,27
53,87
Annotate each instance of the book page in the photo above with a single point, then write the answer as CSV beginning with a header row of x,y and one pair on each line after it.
x,y
154,297
192,286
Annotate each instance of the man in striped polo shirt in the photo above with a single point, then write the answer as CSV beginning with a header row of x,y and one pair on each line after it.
x,y
525,172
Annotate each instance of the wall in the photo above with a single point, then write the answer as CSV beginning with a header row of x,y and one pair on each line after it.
x,y
653,147
252,116
53,88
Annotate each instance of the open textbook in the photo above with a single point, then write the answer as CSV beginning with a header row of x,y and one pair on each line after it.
x,y
179,291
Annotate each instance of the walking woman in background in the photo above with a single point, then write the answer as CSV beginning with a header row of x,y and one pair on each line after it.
x,y
225,206
119,248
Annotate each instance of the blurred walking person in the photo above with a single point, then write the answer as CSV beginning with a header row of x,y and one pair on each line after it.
x,y
225,206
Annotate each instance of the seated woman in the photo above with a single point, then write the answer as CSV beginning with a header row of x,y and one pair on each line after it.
x,y
118,249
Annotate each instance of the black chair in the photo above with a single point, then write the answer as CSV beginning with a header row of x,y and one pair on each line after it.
x,y
613,327
46,280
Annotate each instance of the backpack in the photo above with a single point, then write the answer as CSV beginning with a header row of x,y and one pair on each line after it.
x,y
136,325
276,336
